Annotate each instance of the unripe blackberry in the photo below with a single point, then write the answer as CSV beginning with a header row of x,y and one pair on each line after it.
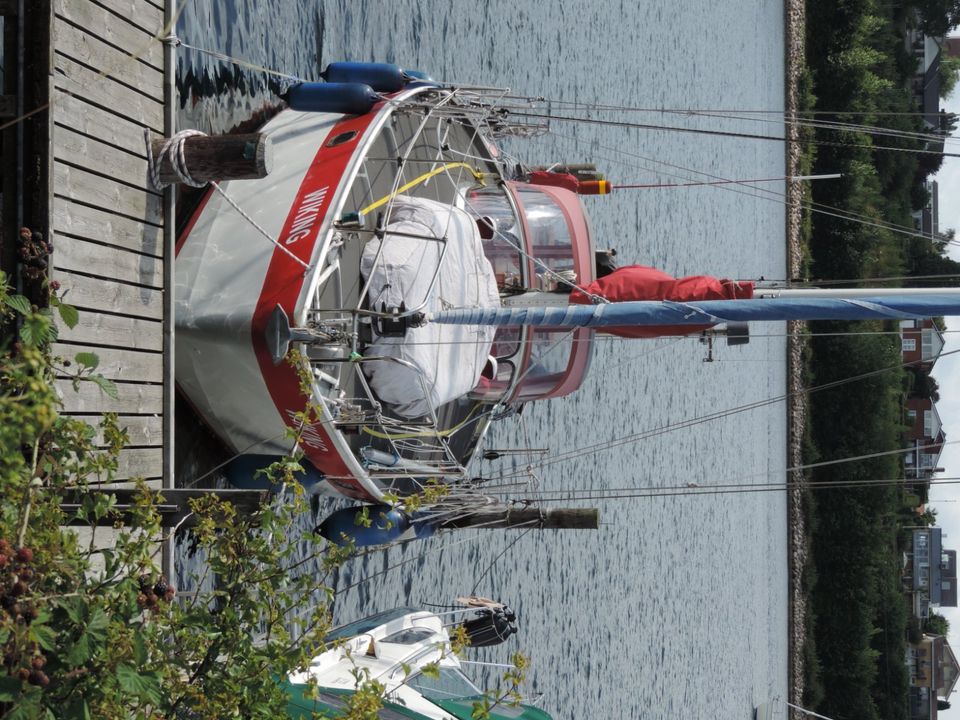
x,y
23,674
38,677
24,555
38,662
19,588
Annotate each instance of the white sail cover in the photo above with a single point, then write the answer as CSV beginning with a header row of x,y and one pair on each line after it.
x,y
445,361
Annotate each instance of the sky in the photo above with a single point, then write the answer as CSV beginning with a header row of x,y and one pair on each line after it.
x,y
945,499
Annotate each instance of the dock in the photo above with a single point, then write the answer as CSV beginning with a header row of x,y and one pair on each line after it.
x,y
86,84
110,79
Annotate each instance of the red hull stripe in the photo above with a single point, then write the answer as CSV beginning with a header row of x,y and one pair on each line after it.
x,y
284,282
193,219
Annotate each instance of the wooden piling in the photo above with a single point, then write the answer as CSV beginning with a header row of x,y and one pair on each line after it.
x,y
219,157
523,517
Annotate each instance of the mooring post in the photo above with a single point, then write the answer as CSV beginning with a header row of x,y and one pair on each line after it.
x,y
242,156
522,517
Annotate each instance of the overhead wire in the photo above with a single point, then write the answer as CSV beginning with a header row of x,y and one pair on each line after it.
x,y
710,417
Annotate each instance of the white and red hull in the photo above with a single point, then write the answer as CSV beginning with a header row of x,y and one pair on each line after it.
x,y
229,278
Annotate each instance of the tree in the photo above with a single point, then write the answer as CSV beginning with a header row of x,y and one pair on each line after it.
x,y
943,704
936,624
948,71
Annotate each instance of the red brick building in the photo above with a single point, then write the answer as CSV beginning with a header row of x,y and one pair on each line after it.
x,y
921,343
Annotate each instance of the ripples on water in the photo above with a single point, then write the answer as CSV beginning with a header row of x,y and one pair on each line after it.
x,y
676,605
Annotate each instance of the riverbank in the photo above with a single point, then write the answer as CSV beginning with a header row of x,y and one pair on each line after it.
x,y
794,31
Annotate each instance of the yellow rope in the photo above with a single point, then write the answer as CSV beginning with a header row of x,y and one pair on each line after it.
x,y
413,183
426,433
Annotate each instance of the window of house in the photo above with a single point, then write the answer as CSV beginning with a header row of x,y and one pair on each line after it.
x,y
909,344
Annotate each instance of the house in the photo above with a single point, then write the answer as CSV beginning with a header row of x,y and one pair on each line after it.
x,y
925,438
930,571
927,220
921,343
933,673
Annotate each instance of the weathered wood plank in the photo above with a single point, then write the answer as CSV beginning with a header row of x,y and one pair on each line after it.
x,y
95,293
121,65
81,256
93,224
133,399
104,25
97,157
142,14
109,94
142,430
82,186
74,113
96,328
129,365
140,462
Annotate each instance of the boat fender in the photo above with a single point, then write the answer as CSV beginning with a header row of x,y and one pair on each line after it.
x,y
382,77
367,525
419,75
243,472
420,79
345,98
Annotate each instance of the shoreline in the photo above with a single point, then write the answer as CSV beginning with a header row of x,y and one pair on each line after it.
x,y
794,55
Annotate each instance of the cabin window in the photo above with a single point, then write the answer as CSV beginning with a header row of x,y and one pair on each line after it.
x,y
496,218
410,636
367,624
550,234
909,344
450,683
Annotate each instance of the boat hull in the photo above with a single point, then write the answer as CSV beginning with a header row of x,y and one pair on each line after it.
x,y
230,277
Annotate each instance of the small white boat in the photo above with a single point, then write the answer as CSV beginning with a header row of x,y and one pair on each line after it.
x,y
393,648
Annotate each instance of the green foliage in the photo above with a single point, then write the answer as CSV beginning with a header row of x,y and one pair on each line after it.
x,y
95,632
936,624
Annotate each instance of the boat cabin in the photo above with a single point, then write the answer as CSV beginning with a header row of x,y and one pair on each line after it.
x,y
550,224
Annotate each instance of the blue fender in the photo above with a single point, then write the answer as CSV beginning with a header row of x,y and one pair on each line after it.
x,y
382,77
345,98
387,524
242,473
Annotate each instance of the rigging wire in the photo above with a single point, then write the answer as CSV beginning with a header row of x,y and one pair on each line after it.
x,y
684,424
767,488
723,133
575,493
758,192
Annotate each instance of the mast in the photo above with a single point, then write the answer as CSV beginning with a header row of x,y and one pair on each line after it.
x,y
772,305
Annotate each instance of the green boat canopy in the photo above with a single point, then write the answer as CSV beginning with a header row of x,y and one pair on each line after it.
x,y
307,702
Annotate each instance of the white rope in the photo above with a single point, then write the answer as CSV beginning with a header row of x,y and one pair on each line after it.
x,y
173,149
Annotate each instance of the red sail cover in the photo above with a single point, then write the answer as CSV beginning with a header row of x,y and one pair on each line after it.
x,y
638,282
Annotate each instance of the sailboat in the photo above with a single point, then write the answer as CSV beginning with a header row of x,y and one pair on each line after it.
x,y
408,652
427,282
